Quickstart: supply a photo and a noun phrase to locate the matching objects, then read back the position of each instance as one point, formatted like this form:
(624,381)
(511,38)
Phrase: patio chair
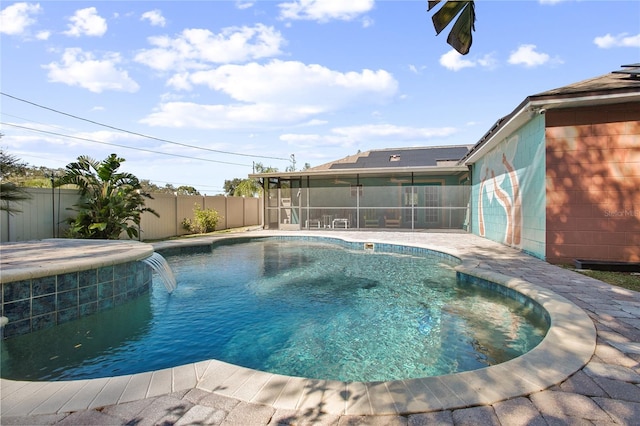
(371,219)
(392,222)
(313,223)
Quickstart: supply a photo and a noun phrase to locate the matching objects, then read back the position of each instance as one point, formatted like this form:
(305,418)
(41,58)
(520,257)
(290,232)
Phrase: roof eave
(533,105)
(363,172)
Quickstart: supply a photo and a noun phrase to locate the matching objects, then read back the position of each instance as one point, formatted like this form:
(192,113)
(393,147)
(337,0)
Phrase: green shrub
(204,220)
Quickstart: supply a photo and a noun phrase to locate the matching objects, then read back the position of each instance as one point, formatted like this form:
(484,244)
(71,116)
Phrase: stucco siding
(593,181)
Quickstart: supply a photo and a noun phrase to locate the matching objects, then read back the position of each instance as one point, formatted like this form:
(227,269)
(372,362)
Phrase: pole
(53,208)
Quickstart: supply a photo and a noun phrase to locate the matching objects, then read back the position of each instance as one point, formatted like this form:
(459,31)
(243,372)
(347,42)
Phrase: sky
(196,92)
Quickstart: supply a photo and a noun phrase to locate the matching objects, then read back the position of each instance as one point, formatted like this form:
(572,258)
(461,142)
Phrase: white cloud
(366,134)
(272,94)
(78,68)
(315,122)
(367,22)
(43,35)
(193,115)
(488,61)
(454,61)
(86,22)
(108,136)
(244,4)
(297,83)
(66,147)
(551,2)
(302,140)
(325,10)
(180,81)
(16,18)
(392,132)
(154,17)
(526,55)
(194,48)
(621,40)
(417,69)
(315,141)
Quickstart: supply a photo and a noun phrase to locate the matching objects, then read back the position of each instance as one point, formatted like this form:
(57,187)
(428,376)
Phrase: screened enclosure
(410,202)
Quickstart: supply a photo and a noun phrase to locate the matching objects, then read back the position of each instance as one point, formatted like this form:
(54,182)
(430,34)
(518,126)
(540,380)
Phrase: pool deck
(586,371)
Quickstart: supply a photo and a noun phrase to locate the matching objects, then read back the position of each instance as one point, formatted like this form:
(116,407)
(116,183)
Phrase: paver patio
(605,391)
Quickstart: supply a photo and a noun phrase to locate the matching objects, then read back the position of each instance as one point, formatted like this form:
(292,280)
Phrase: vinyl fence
(45,214)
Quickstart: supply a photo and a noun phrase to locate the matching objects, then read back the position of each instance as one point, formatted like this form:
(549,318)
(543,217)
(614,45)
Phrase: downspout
(308,198)
(53,207)
(413,208)
(264,192)
(357,200)
(469,206)
(175,210)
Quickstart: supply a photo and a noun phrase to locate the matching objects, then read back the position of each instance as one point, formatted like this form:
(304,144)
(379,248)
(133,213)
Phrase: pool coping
(56,256)
(567,347)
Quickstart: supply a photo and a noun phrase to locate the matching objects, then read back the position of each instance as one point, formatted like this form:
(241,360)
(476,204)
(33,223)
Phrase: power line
(151,180)
(184,183)
(122,146)
(140,134)
(62,128)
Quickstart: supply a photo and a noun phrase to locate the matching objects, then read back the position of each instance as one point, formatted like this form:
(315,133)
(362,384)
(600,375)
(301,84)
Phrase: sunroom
(407,188)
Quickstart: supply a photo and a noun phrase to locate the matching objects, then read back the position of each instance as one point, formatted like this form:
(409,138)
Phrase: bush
(204,220)
(111,203)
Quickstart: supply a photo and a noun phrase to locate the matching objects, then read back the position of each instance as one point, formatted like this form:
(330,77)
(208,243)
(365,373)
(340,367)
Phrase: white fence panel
(236,205)
(219,204)
(253,210)
(42,216)
(45,214)
(184,210)
(156,228)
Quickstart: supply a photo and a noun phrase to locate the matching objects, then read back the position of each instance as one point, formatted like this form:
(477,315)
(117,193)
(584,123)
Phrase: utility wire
(140,134)
(189,184)
(158,181)
(64,161)
(123,146)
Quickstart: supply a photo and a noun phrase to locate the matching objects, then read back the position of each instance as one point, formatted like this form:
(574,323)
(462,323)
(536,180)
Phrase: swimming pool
(568,345)
(351,314)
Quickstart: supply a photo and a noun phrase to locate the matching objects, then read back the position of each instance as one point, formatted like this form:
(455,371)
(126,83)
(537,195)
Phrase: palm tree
(110,202)
(10,193)
(248,187)
(461,35)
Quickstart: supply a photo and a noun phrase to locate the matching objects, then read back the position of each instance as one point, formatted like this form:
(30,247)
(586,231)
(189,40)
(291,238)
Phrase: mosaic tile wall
(377,247)
(40,303)
(505,291)
(508,193)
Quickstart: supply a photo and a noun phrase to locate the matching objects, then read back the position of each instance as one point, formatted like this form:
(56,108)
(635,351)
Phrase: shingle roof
(605,84)
(398,157)
(617,86)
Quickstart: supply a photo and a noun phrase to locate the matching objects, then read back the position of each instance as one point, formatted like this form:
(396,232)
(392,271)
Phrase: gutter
(531,106)
(362,172)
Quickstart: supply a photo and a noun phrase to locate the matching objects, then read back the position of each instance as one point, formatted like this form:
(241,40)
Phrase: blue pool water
(299,308)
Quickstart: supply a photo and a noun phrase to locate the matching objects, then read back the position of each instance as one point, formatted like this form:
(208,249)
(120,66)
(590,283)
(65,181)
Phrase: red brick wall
(593,183)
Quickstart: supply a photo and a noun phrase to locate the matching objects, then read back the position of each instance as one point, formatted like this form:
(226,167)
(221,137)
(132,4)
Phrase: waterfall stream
(159,264)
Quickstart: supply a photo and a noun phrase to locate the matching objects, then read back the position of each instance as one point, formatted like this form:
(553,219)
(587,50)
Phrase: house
(559,178)
(408,188)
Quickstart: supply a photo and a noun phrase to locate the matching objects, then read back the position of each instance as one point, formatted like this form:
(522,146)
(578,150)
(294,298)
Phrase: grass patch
(628,280)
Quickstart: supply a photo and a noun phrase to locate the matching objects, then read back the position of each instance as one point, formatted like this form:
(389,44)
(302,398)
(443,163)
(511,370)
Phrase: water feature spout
(159,264)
